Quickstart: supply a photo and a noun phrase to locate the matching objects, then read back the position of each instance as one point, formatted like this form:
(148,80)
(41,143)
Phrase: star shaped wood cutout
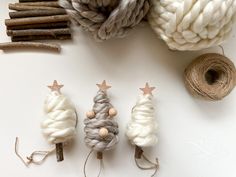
(55,87)
(103,86)
(147,89)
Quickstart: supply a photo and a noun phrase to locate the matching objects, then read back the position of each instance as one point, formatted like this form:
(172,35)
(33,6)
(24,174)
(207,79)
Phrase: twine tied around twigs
(210,76)
(32,158)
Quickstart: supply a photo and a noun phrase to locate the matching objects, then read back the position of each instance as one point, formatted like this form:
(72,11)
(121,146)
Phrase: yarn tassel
(100,157)
(139,156)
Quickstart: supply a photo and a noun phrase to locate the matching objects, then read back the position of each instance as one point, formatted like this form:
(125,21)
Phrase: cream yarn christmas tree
(60,124)
(142,128)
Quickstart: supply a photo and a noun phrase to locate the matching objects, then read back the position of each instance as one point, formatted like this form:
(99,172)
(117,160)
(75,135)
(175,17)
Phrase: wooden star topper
(103,86)
(147,90)
(55,86)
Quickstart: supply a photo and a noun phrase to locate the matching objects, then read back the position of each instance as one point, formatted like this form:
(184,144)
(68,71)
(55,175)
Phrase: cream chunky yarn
(59,126)
(192,24)
(106,18)
(142,129)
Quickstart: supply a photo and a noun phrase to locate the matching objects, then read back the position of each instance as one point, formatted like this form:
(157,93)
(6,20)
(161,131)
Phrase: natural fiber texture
(211,76)
(106,18)
(142,129)
(192,24)
(102,119)
(59,126)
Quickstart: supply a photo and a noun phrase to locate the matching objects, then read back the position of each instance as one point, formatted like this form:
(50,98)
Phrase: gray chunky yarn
(106,18)
(102,119)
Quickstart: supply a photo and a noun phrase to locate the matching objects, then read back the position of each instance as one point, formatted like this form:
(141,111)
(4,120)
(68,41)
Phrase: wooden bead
(112,112)
(103,132)
(90,114)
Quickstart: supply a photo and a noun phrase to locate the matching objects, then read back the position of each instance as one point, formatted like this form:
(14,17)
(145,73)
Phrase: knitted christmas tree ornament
(61,119)
(142,128)
(101,129)
(59,126)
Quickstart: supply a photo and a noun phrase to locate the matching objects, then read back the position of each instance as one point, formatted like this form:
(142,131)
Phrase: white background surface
(196,138)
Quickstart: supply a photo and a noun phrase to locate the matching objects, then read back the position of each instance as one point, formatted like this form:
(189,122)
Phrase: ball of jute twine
(211,77)
(106,19)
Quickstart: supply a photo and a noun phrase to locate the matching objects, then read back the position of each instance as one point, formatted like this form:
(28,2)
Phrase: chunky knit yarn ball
(106,18)
(192,24)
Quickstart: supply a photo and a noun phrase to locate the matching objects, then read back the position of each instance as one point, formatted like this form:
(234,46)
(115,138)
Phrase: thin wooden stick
(59,152)
(40,26)
(99,155)
(36,20)
(47,4)
(36,13)
(25,7)
(138,152)
(36,32)
(42,37)
(34,45)
(35,0)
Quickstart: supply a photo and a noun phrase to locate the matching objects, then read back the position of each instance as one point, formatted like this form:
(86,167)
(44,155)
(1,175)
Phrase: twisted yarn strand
(192,24)
(106,19)
(142,129)
(59,125)
(102,120)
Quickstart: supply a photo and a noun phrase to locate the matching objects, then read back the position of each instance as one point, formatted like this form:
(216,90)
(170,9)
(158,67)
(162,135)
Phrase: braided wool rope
(211,76)
(106,18)
(59,126)
(101,120)
(192,24)
(142,129)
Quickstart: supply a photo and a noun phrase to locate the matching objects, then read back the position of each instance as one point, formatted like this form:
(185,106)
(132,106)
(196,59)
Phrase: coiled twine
(211,76)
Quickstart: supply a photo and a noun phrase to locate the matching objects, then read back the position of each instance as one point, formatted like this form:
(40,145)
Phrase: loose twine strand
(223,50)
(210,76)
(31,159)
(153,166)
(86,161)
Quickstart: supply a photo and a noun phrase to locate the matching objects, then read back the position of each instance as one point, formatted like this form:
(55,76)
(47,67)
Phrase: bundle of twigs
(32,20)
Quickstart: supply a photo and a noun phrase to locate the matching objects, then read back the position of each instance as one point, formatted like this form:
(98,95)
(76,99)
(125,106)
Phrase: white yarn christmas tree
(142,129)
(60,124)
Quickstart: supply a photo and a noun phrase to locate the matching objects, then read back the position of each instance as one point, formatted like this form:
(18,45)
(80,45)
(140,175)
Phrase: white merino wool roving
(142,129)
(192,24)
(60,123)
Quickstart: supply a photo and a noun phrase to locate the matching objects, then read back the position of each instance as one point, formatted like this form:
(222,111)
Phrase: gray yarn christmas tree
(100,127)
